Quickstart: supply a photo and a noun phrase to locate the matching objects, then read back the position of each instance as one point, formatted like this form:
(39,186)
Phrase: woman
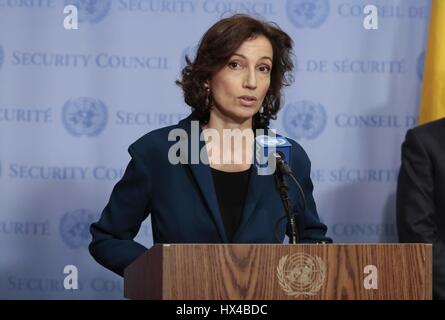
(234,84)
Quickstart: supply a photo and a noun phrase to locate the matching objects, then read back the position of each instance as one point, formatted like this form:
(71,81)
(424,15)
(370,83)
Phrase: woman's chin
(243,115)
(239,114)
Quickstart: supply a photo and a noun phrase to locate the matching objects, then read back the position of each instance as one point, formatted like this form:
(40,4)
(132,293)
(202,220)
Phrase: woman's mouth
(247,100)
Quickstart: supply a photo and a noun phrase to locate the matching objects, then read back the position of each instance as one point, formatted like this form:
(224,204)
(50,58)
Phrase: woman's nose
(250,80)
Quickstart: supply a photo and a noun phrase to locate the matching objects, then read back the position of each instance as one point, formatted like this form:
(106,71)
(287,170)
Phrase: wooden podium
(282,272)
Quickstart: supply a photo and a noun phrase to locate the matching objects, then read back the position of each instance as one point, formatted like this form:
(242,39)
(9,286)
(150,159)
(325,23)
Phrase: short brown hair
(216,47)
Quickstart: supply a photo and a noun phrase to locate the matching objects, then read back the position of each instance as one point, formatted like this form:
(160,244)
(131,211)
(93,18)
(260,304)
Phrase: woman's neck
(232,148)
(220,122)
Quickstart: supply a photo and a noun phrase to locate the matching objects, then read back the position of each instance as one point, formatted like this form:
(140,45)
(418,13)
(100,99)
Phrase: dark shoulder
(434,130)
(426,139)
(153,141)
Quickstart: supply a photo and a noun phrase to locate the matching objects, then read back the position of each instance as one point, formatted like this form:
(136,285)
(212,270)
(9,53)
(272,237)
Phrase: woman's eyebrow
(244,57)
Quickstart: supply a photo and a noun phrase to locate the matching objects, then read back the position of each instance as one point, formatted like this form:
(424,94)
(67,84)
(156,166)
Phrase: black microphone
(280,160)
(282,170)
(265,147)
(286,170)
(272,155)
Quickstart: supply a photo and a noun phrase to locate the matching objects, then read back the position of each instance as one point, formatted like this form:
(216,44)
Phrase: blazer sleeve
(312,230)
(416,206)
(129,205)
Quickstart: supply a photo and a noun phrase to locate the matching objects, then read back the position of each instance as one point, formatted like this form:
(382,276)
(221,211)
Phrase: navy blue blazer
(183,205)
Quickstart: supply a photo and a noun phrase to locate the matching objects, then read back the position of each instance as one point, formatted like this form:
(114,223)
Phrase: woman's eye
(234,65)
(237,65)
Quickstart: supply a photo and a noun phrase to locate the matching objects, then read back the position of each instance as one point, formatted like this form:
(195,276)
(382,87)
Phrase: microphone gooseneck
(271,153)
(282,170)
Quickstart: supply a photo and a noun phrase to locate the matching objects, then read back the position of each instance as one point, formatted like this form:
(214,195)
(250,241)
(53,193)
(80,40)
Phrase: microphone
(283,190)
(266,150)
(273,156)
(280,160)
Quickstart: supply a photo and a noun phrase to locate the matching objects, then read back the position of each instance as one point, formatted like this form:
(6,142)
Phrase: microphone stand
(283,169)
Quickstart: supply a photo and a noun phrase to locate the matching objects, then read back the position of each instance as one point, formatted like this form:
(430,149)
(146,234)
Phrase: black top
(231,190)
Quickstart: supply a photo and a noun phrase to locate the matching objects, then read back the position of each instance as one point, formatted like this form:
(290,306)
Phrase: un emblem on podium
(301,274)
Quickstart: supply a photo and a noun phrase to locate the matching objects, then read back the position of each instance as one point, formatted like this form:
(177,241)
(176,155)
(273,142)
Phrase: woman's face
(239,88)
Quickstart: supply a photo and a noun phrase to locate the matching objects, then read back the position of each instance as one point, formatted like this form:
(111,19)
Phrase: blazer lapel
(257,188)
(203,177)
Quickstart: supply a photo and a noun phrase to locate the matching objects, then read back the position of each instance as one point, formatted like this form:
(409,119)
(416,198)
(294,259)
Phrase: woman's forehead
(259,48)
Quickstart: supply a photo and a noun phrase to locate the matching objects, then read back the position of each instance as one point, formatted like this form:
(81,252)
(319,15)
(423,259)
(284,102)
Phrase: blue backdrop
(71,102)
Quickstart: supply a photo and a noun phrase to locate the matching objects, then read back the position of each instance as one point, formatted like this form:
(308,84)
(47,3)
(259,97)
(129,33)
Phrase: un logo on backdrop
(75,228)
(421,65)
(84,116)
(307,13)
(91,10)
(304,119)
(2,54)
